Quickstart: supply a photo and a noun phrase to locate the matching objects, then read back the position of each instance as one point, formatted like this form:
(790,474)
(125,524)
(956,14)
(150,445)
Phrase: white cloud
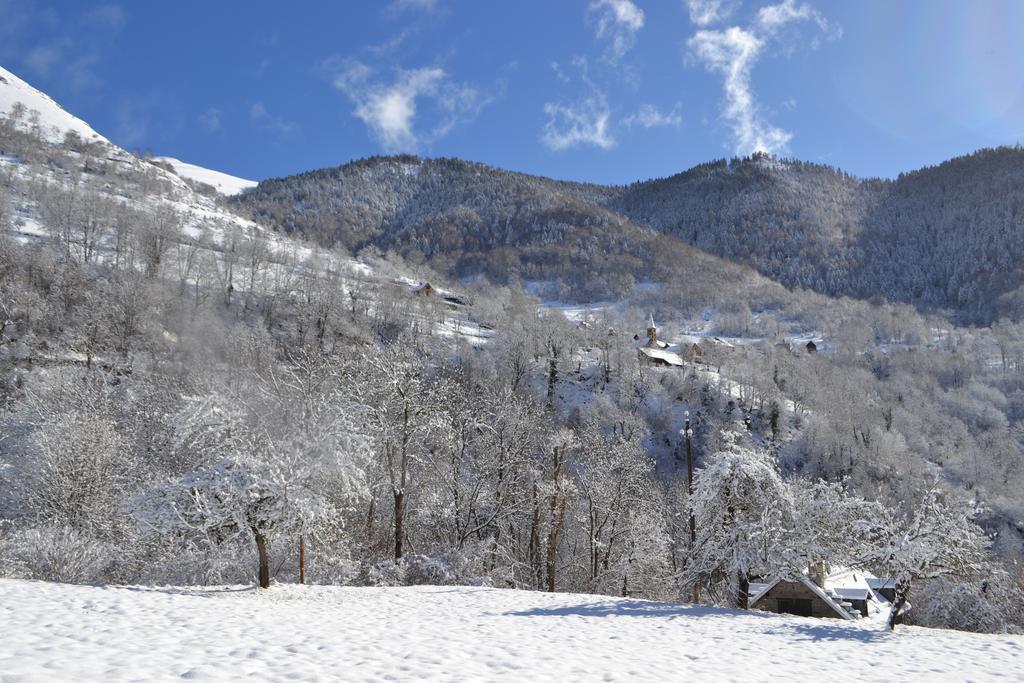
(42,58)
(108,17)
(391,45)
(260,117)
(211,120)
(134,116)
(397,7)
(733,52)
(773,17)
(584,123)
(80,71)
(707,12)
(390,109)
(618,21)
(648,116)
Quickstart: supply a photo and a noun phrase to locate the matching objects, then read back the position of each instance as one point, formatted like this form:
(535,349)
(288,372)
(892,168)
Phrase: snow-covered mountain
(54,120)
(111,176)
(224,183)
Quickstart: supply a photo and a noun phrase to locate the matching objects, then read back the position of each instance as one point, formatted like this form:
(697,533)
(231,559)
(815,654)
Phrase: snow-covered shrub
(410,570)
(55,554)
(991,605)
(200,565)
(77,473)
(417,570)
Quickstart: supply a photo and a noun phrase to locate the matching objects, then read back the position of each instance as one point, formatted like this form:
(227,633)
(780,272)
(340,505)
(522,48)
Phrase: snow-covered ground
(222,182)
(61,632)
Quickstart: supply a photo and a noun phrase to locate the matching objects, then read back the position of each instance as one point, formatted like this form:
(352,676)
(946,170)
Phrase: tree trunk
(302,559)
(557,519)
(552,378)
(399,522)
(261,548)
(743,596)
(534,548)
(902,589)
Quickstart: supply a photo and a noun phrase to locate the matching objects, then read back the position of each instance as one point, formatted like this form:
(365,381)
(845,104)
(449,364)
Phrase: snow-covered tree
(616,505)
(935,538)
(219,502)
(742,509)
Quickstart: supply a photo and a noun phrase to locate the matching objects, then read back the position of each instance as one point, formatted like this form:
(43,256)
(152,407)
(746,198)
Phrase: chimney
(652,332)
(818,572)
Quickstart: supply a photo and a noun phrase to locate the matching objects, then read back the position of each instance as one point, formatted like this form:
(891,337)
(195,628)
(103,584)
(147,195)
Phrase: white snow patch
(222,182)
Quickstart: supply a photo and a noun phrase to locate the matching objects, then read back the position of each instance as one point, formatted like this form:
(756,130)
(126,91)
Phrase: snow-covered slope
(224,183)
(62,632)
(55,121)
(204,221)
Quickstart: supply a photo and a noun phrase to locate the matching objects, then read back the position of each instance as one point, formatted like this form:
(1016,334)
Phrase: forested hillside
(467,219)
(942,238)
(192,396)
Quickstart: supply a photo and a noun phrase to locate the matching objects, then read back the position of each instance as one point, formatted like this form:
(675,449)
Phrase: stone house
(826,594)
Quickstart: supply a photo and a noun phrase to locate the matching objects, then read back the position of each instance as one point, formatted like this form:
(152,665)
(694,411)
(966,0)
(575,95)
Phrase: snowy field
(61,632)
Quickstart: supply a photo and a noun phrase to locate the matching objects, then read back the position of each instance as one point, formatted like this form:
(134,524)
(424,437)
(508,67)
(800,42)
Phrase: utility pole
(688,434)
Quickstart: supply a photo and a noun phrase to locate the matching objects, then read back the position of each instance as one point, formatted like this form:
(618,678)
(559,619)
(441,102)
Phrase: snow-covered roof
(845,580)
(661,354)
(755,589)
(853,593)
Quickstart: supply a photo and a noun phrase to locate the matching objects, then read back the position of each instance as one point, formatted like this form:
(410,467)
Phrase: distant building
(652,336)
(656,352)
(424,290)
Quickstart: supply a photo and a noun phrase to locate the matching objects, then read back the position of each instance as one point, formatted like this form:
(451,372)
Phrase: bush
(55,554)
(411,570)
(416,570)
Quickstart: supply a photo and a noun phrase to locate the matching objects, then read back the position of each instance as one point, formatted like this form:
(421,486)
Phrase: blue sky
(593,90)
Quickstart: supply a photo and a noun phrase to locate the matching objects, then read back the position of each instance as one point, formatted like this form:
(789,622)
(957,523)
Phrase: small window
(801,607)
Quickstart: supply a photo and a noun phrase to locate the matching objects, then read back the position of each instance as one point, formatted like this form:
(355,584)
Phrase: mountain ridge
(802,224)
